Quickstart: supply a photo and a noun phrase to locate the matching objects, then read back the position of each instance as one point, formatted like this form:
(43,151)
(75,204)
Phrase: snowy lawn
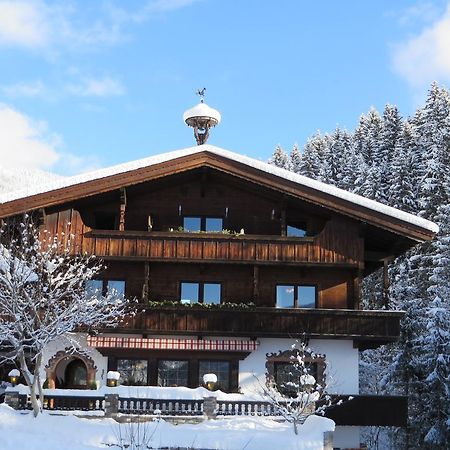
(54,432)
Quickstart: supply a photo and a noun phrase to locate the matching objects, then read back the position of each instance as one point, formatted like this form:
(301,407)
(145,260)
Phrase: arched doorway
(75,375)
(70,370)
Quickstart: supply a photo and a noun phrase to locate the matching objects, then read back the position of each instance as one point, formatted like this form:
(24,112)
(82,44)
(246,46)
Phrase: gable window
(192,292)
(105,287)
(296,296)
(296,230)
(195,224)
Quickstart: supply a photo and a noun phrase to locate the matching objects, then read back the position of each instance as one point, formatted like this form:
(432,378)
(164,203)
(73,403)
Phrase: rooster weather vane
(201,94)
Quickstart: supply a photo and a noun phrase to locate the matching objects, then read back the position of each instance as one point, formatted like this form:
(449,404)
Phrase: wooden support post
(283,217)
(256,284)
(386,282)
(146,284)
(357,289)
(123,207)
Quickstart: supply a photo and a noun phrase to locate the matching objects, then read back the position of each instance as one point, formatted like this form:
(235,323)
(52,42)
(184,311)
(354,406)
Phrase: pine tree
(313,155)
(433,129)
(403,192)
(280,158)
(436,341)
(296,158)
(367,135)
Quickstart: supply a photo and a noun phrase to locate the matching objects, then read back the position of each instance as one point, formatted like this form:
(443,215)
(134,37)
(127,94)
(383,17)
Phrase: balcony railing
(369,328)
(355,410)
(218,247)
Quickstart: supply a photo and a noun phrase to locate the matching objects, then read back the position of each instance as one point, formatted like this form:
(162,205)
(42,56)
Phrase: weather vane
(201,93)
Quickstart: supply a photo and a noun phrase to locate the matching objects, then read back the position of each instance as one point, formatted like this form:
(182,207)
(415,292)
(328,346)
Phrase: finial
(201,118)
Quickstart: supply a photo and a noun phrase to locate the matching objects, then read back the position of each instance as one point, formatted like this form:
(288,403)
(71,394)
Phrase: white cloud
(422,11)
(23,23)
(96,87)
(24,142)
(29,144)
(81,87)
(426,57)
(40,24)
(31,89)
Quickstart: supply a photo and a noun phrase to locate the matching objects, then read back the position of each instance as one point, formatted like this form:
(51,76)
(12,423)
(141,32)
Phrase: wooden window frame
(296,286)
(193,358)
(220,361)
(105,284)
(203,222)
(189,368)
(201,289)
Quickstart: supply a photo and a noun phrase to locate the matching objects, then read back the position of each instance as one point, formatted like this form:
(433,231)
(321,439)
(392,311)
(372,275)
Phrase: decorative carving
(66,355)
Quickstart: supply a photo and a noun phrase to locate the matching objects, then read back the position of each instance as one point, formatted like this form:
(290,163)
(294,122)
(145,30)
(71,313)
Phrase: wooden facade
(138,230)
(273,232)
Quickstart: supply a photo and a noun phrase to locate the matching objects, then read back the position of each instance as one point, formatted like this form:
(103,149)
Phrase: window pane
(116,287)
(189,293)
(285,296)
(211,293)
(306,296)
(214,224)
(295,231)
(172,373)
(133,372)
(220,368)
(192,224)
(287,377)
(94,288)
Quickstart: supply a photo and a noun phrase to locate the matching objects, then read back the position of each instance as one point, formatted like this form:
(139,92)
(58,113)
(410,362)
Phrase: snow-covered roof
(251,162)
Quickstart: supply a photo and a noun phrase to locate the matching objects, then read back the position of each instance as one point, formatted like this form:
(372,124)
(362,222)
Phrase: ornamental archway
(71,370)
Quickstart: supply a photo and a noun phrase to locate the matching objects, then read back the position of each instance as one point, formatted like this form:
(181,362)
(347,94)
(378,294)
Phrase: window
(296,231)
(287,376)
(208,224)
(172,373)
(133,372)
(209,293)
(296,296)
(105,287)
(220,368)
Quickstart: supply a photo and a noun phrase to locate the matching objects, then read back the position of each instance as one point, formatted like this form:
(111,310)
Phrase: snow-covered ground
(54,432)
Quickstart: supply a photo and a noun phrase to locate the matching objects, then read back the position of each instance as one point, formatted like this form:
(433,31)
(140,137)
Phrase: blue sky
(86,84)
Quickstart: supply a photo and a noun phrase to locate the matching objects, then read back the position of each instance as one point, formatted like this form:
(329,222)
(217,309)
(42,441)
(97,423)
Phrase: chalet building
(231,259)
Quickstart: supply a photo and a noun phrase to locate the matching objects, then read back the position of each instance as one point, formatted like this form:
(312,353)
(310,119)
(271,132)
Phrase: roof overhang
(286,182)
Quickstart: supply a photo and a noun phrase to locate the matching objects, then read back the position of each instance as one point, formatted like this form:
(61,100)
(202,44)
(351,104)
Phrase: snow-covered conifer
(280,158)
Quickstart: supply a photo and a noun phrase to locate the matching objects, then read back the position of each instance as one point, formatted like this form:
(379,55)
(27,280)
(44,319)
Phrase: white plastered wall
(341,374)
(340,357)
(100,361)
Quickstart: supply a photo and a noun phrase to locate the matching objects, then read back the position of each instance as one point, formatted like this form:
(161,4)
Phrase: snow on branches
(43,296)
(296,394)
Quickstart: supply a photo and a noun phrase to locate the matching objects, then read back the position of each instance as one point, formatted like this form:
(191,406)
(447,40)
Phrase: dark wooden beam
(123,207)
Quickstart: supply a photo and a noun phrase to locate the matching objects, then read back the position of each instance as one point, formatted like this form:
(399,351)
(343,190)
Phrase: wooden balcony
(366,328)
(218,248)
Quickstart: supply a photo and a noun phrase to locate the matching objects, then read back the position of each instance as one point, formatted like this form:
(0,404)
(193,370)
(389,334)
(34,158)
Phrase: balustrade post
(328,440)
(209,407)
(111,405)
(12,399)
